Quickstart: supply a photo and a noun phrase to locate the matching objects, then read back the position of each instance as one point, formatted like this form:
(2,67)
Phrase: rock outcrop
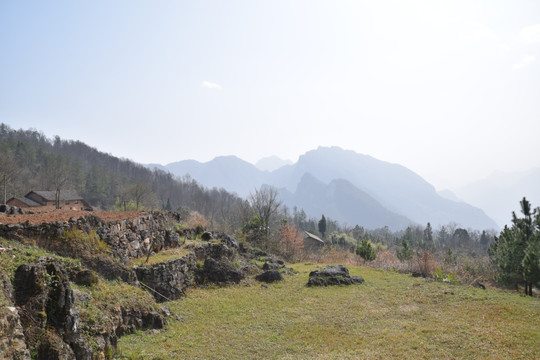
(221,264)
(167,281)
(127,239)
(51,321)
(12,342)
(333,275)
(11,210)
(44,295)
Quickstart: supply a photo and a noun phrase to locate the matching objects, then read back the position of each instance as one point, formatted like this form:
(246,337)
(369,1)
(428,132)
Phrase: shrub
(450,258)
(405,253)
(366,251)
(424,262)
(197,222)
(291,243)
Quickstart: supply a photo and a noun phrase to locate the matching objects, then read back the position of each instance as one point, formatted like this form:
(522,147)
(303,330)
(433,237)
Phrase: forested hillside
(31,161)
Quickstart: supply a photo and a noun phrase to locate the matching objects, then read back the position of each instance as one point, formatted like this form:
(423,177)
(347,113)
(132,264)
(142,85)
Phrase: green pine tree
(405,253)
(428,237)
(515,252)
(366,251)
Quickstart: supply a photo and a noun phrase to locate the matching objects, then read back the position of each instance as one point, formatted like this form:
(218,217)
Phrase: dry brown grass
(196,221)
(65,215)
(466,270)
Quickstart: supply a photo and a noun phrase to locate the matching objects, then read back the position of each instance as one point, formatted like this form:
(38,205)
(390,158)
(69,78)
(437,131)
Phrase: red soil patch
(65,215)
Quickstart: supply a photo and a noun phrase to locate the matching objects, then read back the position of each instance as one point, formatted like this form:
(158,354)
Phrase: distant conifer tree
(322,226)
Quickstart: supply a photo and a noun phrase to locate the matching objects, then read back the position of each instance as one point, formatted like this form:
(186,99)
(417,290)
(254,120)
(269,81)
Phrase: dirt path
(65,215)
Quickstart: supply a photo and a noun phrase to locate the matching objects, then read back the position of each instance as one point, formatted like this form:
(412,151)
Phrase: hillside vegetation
(391,316)
(31,161)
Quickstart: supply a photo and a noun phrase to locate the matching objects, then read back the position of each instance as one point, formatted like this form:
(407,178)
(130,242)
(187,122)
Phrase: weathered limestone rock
(207,236)
(221,271)
(230,241)
(168,280)
(109,269)
(5,287)
(84,277)
(129,238)
(44,294)
(272,266)
(51,323)
(333,275)
(12,341)
(11,210)
(269,276)
(52,347)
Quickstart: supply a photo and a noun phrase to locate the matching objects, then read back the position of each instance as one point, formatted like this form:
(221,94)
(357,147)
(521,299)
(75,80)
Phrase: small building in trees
(50,200)
(312,242)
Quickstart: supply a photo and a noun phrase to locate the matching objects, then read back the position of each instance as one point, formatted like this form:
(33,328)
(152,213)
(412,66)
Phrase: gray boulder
(333,275)
(230,241)
(221,271)
(207,236)
(269,276)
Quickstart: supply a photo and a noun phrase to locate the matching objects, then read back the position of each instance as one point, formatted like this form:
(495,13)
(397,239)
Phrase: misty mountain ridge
(271,163)
(499,193)
(378,192)
(450,195)
(341,200)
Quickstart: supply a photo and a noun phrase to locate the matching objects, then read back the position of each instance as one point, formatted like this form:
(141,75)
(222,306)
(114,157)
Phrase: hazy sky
(450,89)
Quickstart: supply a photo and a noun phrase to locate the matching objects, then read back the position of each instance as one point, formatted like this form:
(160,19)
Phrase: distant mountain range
(346,186)
(271,163)
(500,193)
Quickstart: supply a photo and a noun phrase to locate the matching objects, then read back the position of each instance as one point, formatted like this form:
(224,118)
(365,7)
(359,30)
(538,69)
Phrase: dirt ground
(65,215)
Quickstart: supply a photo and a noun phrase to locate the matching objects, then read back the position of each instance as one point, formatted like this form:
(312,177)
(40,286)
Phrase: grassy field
(392,316)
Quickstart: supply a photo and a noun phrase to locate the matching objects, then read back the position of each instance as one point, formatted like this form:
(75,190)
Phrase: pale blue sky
(449,89)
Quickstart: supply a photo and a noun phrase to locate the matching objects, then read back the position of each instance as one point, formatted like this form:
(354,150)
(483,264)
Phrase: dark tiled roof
(314,237)
(27,201)
(65,195)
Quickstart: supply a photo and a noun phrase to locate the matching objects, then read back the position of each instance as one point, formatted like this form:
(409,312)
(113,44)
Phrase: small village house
(312,242)
(37,200)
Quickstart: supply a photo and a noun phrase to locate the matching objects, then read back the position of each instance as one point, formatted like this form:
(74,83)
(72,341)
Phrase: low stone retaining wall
(129,238)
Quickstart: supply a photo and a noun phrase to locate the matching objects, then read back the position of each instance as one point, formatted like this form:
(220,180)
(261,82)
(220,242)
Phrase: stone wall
(129,238)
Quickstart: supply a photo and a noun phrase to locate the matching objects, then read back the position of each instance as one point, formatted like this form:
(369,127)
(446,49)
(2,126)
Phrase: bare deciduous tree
(139,192)
(57,175)
(8,171)
(265,204)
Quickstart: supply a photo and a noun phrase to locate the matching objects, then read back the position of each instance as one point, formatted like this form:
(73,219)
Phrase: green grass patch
(106,298)
(17,254)
(162,256)
(84,242)
(392,316)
